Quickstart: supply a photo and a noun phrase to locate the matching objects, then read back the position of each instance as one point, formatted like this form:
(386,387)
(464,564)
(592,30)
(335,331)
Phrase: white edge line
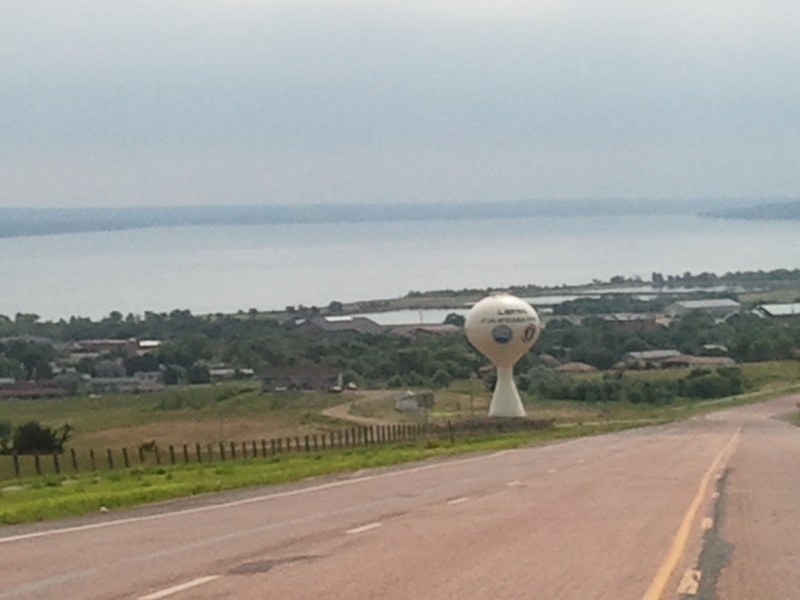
(364,528)
(202,509)
(458,500)
(179,588)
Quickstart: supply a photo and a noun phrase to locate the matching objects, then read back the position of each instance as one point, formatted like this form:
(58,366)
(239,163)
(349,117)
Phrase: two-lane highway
(685,510)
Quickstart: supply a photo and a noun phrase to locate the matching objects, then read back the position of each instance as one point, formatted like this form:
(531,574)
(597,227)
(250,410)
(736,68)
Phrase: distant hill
(778,211)
(46,221)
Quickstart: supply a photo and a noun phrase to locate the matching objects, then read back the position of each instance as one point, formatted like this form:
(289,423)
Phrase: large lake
(226,268)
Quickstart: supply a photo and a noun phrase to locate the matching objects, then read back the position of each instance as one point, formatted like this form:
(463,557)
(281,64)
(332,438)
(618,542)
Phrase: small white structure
(503,328)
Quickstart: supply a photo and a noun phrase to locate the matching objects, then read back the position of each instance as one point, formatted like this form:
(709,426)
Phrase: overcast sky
(185,102)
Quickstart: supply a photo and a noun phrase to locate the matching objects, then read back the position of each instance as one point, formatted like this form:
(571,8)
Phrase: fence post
(264,448)
(308,445)
(450,430)
(198,453)
(210,450)
(222,451)
(92,459)
(38,465)
(255,450)
(141,455)
(74,459)
(56,464)
(172,454)
(110,458)
(185,454)
(315,443)
(233,451)
(297,443)
(125,458)
(15,460)
(157,451)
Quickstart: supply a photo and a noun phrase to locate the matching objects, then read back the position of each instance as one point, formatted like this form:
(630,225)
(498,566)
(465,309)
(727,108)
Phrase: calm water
(227,268)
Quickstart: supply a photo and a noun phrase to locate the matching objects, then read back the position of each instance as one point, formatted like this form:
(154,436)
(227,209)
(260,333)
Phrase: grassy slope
(50,497)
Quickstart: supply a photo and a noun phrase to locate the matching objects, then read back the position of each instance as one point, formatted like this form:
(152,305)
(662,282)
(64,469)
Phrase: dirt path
(342,411)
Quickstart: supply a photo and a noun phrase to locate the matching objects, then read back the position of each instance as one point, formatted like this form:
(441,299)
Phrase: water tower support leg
(505,400)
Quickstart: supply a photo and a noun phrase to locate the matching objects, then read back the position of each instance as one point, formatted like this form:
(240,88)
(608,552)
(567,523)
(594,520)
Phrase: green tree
(33,438)
(6,431)
(455,319)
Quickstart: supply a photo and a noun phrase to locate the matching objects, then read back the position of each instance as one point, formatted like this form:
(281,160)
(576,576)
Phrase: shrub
(34,438)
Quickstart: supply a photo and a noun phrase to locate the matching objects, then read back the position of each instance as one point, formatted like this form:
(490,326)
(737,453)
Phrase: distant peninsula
(774,211)
(15,222)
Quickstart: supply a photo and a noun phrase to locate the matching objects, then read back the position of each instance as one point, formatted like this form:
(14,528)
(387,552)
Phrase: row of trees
(191,343)
(616,387)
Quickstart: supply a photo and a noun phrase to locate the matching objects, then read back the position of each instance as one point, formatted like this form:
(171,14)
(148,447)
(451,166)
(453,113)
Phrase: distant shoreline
(24,222)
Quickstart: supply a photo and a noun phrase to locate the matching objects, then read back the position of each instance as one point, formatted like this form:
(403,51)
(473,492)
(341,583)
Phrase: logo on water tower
(502,334)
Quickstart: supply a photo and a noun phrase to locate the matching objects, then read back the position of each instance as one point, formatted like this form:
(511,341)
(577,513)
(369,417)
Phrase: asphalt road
(709,508)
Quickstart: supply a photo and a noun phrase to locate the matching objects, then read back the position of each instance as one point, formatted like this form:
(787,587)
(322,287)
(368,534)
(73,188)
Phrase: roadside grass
(53,496)
(230,410)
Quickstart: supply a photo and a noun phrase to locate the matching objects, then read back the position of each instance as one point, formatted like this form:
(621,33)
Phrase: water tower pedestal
(505,399)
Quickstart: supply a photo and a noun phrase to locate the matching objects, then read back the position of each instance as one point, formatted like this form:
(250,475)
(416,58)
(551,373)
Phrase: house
(783,312)
(139,382)
(322,379)
(576,367)
(687,360)
(106,346)
(31,390)
(632,321)
(409,401)
(719,308)
(219,373)
(339,325)
(649,359)
(422,330)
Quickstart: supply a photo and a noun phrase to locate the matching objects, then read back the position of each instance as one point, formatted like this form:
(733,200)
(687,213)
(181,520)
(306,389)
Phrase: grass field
(240,411)
(183,414)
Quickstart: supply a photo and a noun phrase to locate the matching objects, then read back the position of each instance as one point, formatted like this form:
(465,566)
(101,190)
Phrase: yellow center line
(667,567)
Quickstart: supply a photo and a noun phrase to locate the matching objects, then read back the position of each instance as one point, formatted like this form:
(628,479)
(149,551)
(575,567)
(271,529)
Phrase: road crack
(717,551)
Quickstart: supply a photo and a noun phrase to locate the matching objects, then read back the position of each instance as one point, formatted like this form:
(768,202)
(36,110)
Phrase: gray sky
(245,101)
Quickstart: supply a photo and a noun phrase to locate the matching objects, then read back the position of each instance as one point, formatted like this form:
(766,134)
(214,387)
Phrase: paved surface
(707,509)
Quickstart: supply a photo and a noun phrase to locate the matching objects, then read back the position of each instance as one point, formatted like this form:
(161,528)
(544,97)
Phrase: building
(687,360)
(339,325)
(783,312)
(632,321)
(323,379)
(138,383)
(649,359)
(217,373)
(576,367)
(423,330)
(719,308)
(31,390)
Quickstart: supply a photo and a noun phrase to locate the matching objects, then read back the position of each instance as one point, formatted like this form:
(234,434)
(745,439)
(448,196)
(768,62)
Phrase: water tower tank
(503,328)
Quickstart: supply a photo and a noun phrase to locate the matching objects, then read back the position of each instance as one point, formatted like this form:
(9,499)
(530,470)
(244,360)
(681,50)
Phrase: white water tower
(503,328)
